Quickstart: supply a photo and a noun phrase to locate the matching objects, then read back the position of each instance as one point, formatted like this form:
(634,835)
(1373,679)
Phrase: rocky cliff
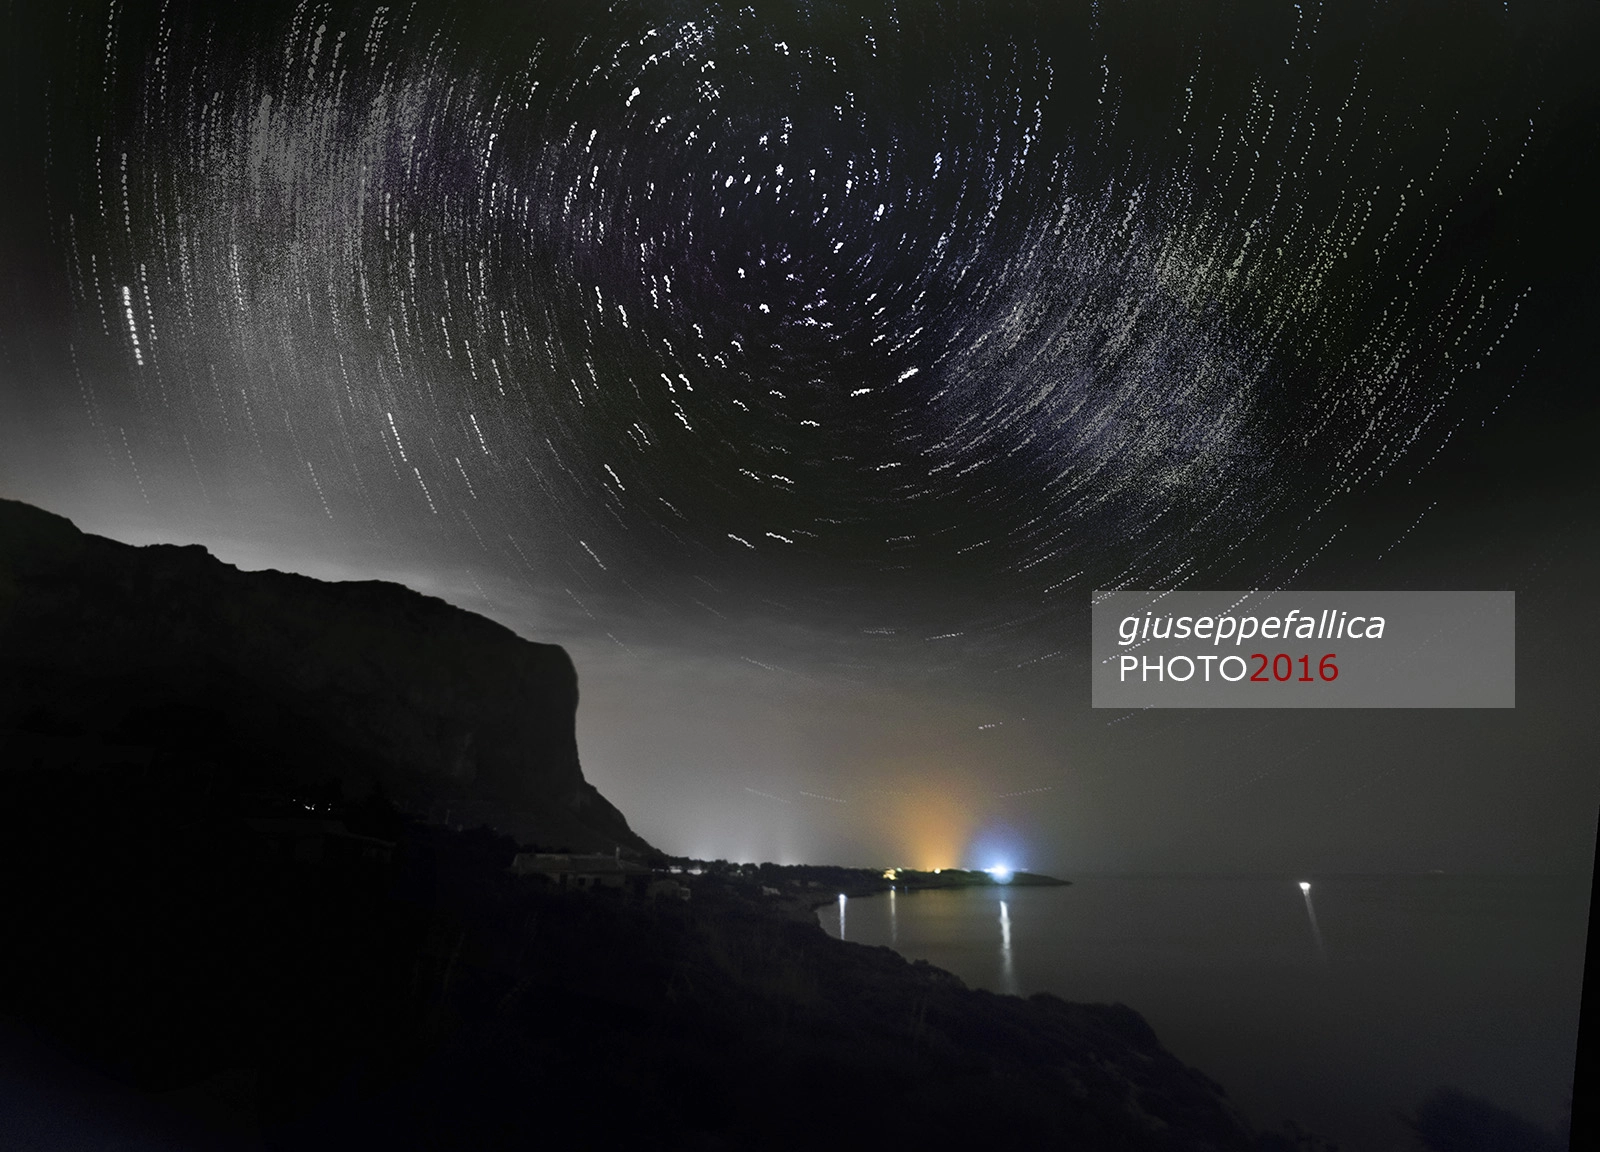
(117,657)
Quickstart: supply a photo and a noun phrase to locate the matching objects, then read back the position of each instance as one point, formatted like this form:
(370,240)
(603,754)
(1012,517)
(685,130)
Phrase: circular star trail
(815,303)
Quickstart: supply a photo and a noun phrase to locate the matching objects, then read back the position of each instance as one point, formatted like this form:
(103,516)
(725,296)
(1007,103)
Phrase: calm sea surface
(1417,982)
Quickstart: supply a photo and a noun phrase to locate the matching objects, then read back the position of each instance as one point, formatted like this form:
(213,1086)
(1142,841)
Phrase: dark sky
(803,369)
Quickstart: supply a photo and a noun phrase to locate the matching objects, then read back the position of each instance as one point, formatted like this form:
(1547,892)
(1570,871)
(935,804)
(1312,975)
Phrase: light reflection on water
(1008,972)
(1404,984)
(1311,914)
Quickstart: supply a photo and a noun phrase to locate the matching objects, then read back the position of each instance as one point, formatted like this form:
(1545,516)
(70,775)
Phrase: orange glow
(935,826)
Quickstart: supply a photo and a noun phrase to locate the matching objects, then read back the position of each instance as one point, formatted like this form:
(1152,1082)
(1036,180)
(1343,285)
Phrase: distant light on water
(841,915)
(1001,873)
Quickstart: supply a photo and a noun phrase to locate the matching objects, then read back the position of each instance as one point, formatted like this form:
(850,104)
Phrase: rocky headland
(228,887)
(164,657)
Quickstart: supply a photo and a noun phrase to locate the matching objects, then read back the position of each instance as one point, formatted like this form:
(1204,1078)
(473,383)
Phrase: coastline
(798,890)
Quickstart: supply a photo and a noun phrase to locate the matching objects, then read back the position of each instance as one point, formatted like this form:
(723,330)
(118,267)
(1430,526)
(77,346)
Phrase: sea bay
(1416,983)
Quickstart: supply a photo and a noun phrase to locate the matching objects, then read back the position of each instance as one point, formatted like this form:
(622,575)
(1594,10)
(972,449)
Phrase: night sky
(804,368)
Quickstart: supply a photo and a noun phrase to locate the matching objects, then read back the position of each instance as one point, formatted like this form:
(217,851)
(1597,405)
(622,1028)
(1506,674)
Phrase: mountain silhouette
(165,657)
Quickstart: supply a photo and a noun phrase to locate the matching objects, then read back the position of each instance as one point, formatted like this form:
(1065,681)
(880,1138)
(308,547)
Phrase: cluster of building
(574,872)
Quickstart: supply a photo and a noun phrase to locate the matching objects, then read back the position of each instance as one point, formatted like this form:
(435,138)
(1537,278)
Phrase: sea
(1340,1007)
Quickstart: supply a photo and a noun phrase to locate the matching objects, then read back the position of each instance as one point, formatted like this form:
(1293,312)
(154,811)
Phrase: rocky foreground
(397,986)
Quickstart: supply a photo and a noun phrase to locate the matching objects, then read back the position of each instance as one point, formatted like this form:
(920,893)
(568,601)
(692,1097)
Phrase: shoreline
(798,890)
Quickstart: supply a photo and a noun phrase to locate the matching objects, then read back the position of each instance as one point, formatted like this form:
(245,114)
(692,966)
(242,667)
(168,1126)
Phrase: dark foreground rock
(400,988)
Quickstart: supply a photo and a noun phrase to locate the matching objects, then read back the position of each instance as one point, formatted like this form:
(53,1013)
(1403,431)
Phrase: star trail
(853,292)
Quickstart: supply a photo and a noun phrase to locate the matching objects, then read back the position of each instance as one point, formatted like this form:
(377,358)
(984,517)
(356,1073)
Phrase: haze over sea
(1422,982)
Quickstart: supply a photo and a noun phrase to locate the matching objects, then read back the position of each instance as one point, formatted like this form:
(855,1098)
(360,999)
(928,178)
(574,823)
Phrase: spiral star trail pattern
(861,293)
(904,326)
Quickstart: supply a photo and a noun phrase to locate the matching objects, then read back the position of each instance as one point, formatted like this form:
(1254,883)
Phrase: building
(570,871)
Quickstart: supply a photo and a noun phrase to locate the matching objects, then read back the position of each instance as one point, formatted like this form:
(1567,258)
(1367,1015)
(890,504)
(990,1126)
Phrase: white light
(1000,872)
(1305,885)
